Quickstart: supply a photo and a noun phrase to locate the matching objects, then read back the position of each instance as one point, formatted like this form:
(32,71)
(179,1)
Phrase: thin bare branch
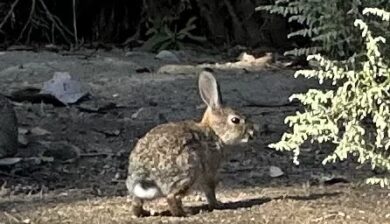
(55,24)
(75,23)
(9,13)
(29,20)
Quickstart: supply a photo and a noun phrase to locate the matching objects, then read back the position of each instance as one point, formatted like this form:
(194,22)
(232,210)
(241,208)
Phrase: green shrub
(164,34)
(328,24)
(355,116)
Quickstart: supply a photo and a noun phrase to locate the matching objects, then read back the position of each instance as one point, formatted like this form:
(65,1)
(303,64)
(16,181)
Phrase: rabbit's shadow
(194,210)
(230,205)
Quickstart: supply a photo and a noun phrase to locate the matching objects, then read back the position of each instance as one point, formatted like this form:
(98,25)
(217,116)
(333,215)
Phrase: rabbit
(173,158)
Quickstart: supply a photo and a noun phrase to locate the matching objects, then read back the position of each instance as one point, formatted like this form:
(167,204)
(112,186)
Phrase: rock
(22,140)
(8,128)
(64,88)
(168,56)
(179,69)
(61,151)
(328,179)
(275,171)
(23,131)
(246,57)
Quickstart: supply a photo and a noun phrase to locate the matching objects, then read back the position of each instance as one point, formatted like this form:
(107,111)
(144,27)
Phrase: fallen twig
(11,217)
(11,175)
(84,55)
(95,154)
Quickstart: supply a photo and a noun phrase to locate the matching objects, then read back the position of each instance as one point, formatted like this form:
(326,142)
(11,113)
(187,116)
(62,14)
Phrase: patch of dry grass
(334,204)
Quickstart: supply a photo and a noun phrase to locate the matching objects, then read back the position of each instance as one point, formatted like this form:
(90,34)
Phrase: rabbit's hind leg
(175,205)
(137,207)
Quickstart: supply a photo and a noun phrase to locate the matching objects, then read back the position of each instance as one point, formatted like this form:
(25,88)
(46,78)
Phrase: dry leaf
(10,161)
(39,131)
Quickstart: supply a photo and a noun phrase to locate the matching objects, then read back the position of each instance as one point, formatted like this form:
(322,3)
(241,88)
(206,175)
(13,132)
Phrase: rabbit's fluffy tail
(145,189)
(146,193)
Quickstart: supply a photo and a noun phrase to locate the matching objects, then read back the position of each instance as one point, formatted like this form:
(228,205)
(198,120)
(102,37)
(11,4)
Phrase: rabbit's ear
(209,90)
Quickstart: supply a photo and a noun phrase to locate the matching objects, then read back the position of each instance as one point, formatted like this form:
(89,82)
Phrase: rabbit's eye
(235,120)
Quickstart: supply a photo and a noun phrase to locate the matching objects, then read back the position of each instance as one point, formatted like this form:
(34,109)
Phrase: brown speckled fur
(176,157)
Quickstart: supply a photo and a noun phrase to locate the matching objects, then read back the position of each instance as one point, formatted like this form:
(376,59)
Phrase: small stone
(275,171)
(22,140)
(23,131)
(165,55)
(179,69)
(246,57)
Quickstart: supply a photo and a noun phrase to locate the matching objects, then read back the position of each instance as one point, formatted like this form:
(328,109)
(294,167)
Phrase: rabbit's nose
(251,135)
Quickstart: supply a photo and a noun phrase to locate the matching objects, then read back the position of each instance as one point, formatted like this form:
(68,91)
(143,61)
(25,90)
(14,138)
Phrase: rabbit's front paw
(215,205)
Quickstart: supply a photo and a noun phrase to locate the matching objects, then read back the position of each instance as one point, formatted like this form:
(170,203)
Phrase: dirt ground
(75,157)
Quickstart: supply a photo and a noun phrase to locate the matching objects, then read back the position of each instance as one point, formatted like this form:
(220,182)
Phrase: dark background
(125,23)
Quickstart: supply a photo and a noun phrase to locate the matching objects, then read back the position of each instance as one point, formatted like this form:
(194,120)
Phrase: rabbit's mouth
(236,141)
(245,137)
(250,134)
